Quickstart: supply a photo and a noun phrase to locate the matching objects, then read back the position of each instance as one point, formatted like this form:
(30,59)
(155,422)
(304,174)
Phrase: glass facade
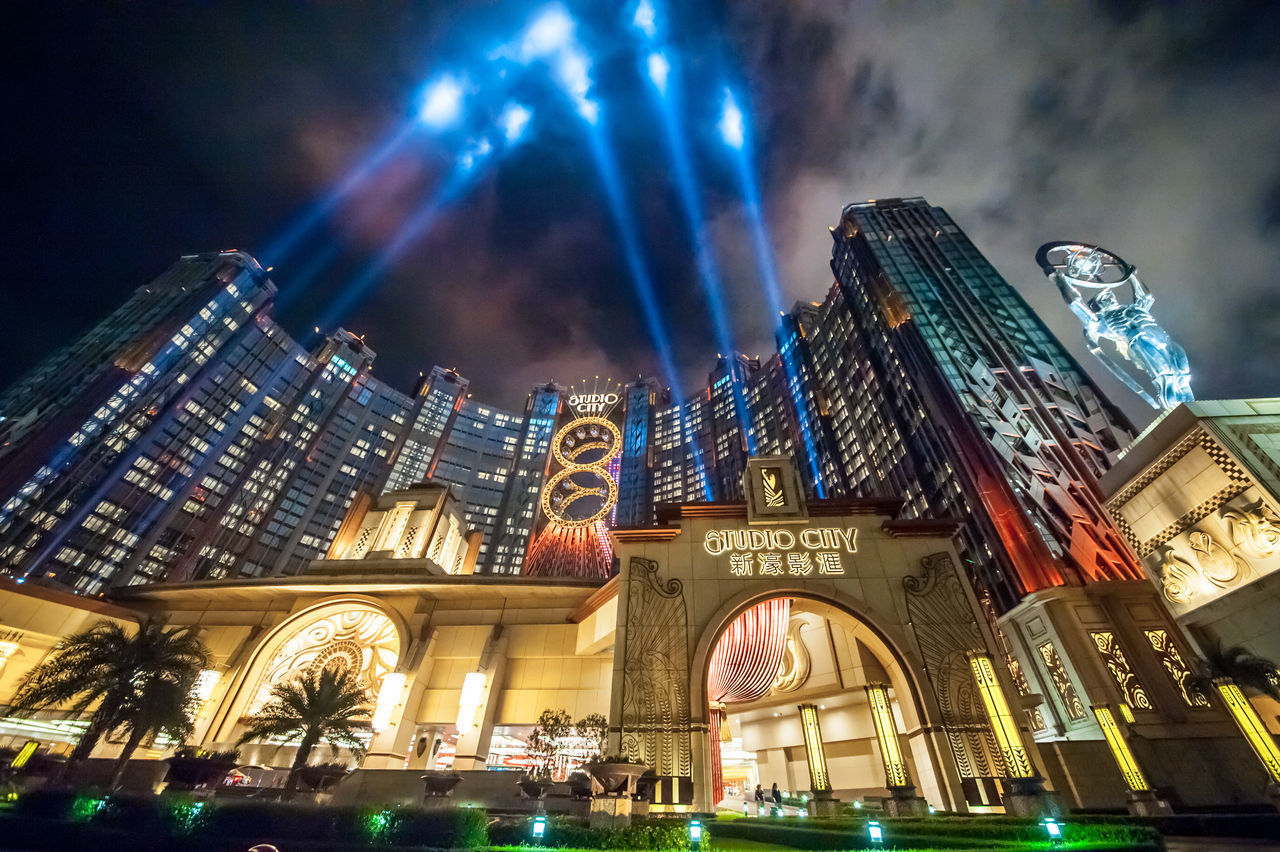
(943,386)
(188,437)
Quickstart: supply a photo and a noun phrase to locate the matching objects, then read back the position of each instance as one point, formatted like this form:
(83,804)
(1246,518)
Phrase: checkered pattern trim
(1221,457)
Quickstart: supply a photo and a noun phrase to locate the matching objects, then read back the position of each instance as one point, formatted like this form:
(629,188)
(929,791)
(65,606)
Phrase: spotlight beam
(551,38)
(279,248)
(659,71)
(300,283)
(732,128)
(606,164)
(464,175)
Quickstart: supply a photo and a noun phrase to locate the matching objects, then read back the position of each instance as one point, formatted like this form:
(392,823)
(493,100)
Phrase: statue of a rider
(1136,336)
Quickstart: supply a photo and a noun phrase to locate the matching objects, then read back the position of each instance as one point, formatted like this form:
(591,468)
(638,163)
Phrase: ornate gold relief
(360,639)
(1217,563)
(794,670)
(1179,673)
(1177,575)
(1253,526)
(1062,682)
(1118,665)
(771,479)
(947,631)
(655,724)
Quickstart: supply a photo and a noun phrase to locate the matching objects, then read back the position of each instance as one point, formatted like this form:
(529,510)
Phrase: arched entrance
(355,633)
(798,659)
(891,586)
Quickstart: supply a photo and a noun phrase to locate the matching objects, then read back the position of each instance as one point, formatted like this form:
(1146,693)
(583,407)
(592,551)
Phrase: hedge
(188,821)
(574,833)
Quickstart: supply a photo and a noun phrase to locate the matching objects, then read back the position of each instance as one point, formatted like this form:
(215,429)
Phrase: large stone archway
(890,652)
(682,584)
(353,631)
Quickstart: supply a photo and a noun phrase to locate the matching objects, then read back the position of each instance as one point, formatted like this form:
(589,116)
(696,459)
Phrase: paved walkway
(1219,844)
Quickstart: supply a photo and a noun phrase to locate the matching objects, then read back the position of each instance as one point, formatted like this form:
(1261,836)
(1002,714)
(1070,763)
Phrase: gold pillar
(1251,726)
(818,777)
(1129,768)
(895,769)
(1016,760)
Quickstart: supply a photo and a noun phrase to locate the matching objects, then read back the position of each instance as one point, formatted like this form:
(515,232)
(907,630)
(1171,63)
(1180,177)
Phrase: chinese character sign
(782,552)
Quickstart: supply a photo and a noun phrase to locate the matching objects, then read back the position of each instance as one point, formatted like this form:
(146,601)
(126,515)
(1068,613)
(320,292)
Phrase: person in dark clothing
(759,794)
(777,794)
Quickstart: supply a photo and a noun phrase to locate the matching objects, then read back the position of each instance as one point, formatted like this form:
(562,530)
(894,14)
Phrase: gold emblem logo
(771,479)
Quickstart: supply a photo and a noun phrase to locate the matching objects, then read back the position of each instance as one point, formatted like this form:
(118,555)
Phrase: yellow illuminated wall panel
(895,770)
(1120,749)
(1251,726)
(1003,725)
(818,776)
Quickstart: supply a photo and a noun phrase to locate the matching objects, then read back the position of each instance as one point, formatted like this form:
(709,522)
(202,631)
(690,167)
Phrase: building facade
(191,437)
(188,458)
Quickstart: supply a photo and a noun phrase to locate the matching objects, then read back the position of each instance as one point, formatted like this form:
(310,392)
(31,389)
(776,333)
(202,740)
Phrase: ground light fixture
(1053,828)
(695,834)
(539,828)
(21,758)
(745,809)
(875,833)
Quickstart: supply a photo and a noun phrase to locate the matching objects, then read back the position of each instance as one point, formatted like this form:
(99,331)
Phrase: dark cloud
(149,132)
(1150,129)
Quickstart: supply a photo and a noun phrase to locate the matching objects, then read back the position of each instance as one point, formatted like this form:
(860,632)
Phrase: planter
(580,785)
(440,782)
(615,779)
(532,788)
(320,778)
(192,773)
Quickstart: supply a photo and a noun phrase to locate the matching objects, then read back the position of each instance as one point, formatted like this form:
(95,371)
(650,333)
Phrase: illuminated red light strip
(746,659)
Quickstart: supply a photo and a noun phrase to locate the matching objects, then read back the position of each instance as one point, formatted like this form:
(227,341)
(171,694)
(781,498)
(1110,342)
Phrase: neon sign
(593,403)
(777,552)
(594,399)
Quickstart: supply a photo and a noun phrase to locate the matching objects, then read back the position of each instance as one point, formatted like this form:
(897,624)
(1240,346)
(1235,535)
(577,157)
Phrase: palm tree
(323,705)
(1236,662)
(141,683)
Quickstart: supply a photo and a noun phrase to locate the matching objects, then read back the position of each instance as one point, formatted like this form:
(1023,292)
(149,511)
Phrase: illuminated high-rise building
(437,400)
(641,400)
(940,384)
(513,525)
(187,436)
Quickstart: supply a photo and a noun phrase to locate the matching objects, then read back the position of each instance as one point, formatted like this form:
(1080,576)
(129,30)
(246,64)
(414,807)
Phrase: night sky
(140,132)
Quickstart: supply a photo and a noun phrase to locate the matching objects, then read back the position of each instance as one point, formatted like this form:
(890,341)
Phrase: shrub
(574,833)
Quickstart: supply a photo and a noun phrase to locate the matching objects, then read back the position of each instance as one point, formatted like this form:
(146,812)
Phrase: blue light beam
(645,19)
(514,121)
(733,130)
(606,164)
(731,126)
(279,248)
(659,71)
(464,175)
(440,105)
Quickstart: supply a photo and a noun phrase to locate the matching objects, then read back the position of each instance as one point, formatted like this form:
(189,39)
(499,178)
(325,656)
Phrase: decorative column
(717,728)
(1026,795)
(390,735)
(479,700)
(1260,739)
(8,646)
(902,800)
(1142,799)
(819,781)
